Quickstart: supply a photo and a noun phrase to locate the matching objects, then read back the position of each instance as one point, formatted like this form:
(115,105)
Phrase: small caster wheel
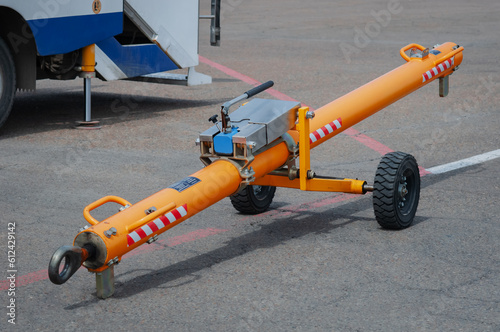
(253,199)
(396,190)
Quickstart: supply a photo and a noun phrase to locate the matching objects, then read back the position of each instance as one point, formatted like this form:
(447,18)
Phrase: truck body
(44,39)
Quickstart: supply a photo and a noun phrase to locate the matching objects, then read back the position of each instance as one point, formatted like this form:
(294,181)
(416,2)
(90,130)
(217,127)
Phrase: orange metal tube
(381,92)
(222,178)
(216,181)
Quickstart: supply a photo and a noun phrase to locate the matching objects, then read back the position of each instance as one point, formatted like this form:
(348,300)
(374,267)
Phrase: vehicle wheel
(7,81)
(253,199)
(396,190)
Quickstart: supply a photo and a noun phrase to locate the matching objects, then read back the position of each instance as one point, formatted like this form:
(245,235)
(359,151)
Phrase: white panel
(176,24)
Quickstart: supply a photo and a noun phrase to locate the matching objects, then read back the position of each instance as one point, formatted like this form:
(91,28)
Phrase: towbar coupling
(67,260)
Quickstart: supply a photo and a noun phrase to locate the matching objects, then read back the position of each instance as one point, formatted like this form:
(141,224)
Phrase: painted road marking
(465,162)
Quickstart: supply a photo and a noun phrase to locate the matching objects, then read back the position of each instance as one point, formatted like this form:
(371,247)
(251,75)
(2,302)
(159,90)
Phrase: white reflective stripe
(313,138)
(182,211)
(170,217)
(429,75)
(435,71)
(441,67)
(135,236)
(159,223)
(337,124)
(147,230)
(329,128)
(423,78)
(321,133)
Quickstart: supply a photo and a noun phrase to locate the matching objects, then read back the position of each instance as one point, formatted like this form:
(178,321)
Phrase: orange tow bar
(255,150)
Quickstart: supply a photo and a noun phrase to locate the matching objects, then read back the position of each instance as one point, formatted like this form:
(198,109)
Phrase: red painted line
(423,171)
(189,237)
(368,141)
(244,78)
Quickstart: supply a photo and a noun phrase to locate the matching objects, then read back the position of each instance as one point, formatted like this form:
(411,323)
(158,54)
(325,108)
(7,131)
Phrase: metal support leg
(87,123)
(105,283)
(88,73)
(87,90)
(444,86)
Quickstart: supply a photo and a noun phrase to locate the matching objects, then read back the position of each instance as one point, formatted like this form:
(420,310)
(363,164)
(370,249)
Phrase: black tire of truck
(7,81)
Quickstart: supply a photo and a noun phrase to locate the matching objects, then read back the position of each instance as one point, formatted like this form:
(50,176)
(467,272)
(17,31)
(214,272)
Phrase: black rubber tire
(396,190)
(253,199)
(7,81)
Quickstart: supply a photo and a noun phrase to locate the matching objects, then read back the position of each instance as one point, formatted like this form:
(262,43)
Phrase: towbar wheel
(396,190)
(253,199)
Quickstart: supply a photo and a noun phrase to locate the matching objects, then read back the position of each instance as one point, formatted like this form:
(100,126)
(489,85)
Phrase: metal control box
(258,122)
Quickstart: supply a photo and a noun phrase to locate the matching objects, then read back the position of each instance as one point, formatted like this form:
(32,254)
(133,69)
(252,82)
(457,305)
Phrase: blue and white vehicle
(134,39)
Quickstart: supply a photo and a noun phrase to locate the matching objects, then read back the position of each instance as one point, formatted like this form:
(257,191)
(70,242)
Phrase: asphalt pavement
(315,261)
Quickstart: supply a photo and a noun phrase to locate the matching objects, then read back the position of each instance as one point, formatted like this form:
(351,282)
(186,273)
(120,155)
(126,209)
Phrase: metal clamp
(113,261)
(110,232)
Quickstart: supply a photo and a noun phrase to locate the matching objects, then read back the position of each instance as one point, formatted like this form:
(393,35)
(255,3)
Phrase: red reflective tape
(165,220)
(176,214)
(153,226)
(325,131)
(141,233)
(317,135)
(130,241)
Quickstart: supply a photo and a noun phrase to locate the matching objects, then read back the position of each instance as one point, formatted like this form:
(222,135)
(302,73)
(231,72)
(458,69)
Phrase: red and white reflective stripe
(438,69)
(323,131)
(156,225)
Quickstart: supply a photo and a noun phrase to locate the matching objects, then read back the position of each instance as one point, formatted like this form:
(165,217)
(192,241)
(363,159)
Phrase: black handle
(259,89)
(213,118)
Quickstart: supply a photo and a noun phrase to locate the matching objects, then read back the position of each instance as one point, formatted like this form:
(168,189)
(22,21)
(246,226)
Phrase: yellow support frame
(304,181)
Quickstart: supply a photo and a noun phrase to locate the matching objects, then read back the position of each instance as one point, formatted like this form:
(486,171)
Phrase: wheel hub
(403,191)
(257,190)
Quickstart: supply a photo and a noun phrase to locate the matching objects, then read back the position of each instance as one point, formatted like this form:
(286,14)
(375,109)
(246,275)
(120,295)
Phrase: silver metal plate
(260,121)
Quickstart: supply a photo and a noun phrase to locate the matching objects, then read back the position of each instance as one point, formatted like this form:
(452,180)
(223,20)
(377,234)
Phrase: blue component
(223,143)
(137,60)
(65,34)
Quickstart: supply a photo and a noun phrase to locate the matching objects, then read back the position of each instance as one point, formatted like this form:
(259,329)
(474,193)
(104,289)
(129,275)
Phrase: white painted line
(465,162)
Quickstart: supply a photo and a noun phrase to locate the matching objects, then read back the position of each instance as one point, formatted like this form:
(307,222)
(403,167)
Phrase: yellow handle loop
(108,199)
